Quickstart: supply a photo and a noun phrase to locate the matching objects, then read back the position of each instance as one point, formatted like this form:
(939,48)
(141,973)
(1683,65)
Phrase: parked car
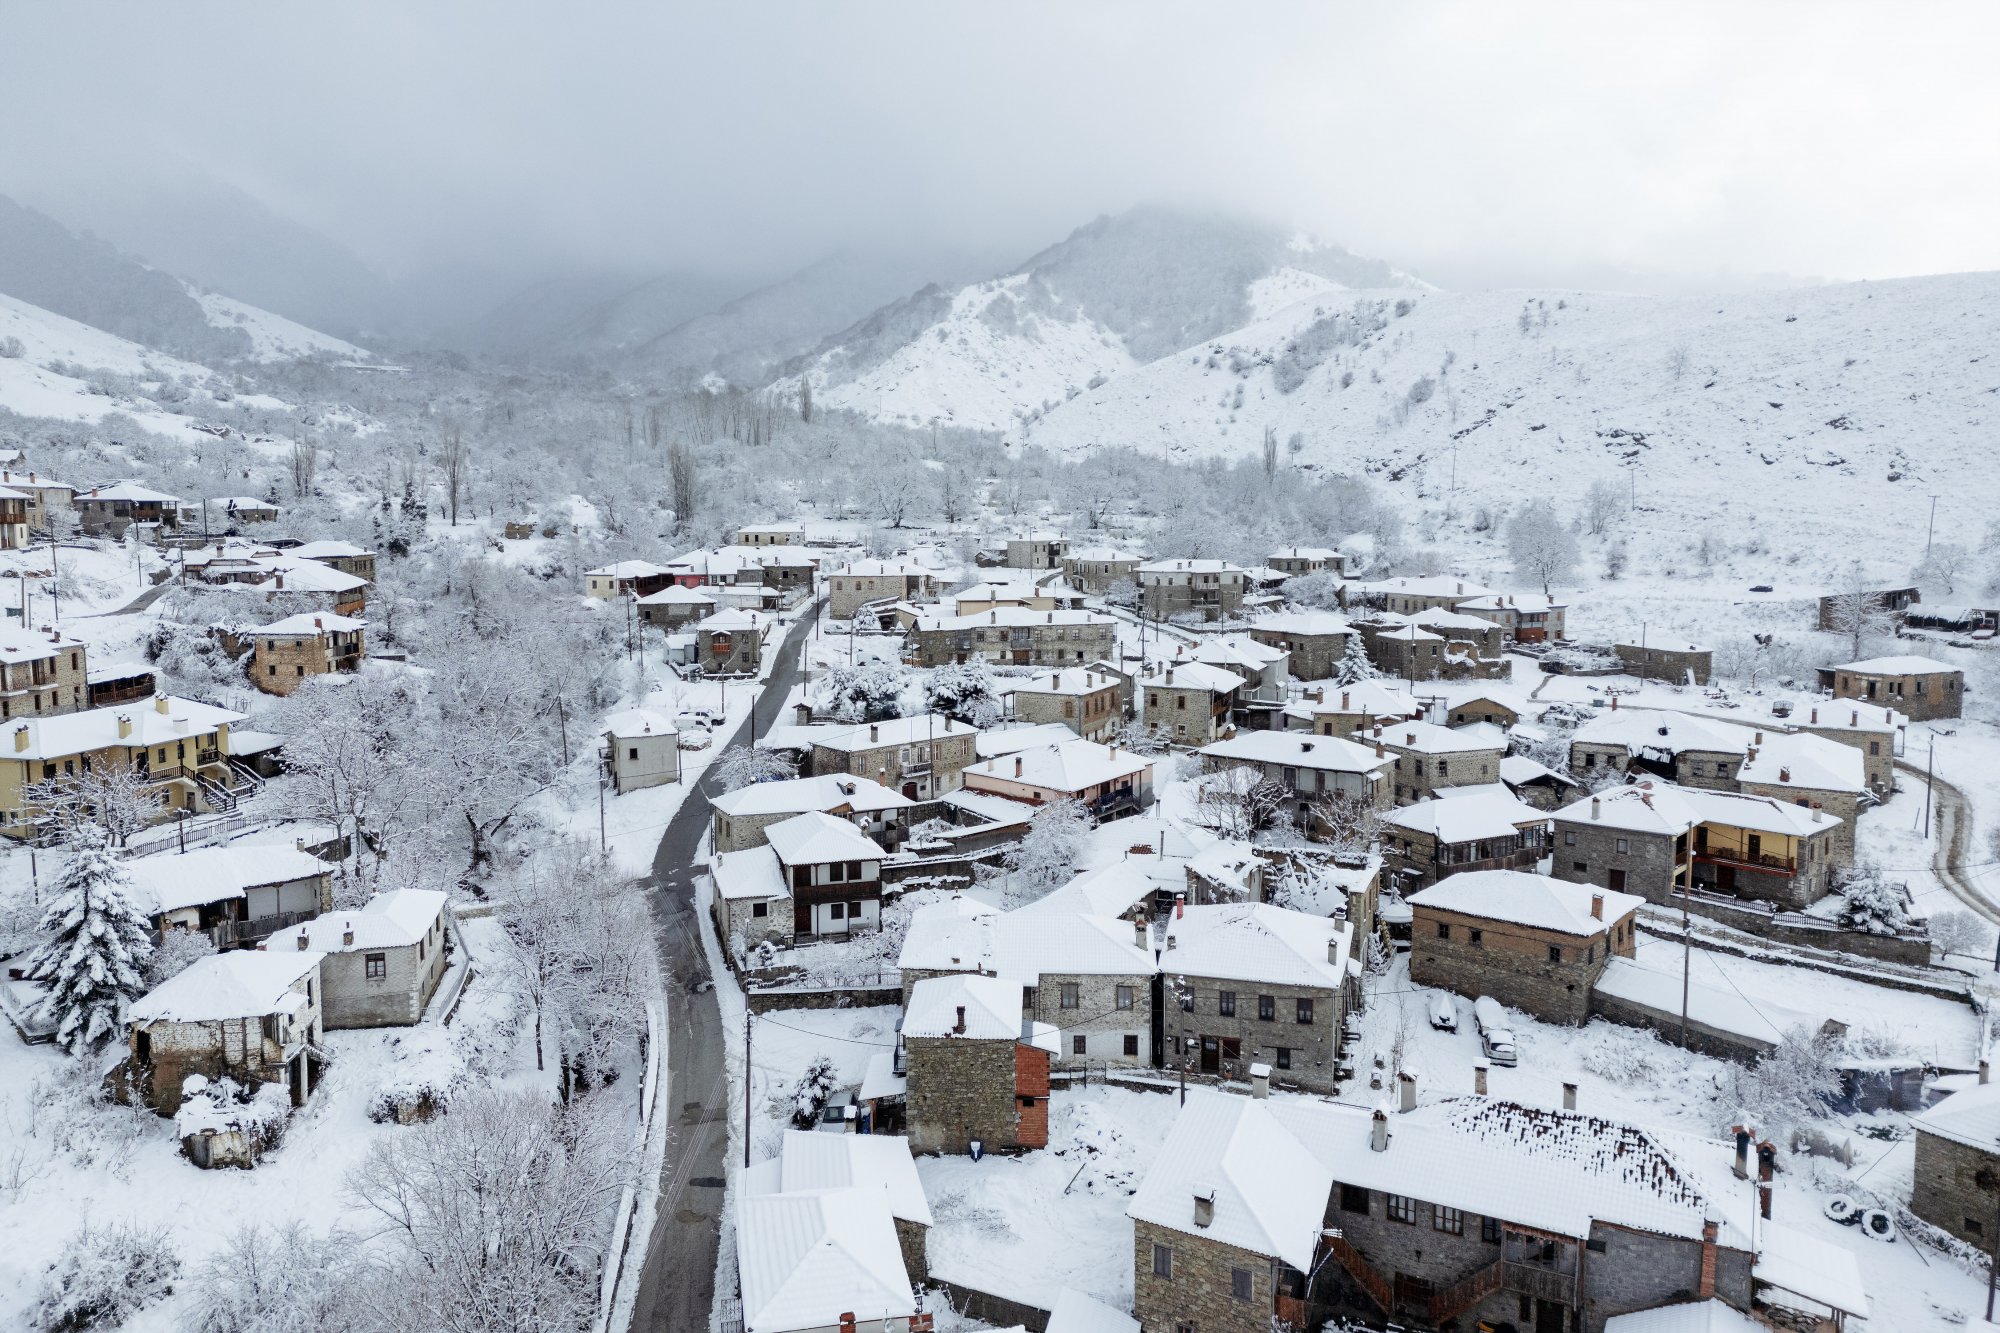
(1486,1012)
(1498,1045)
(834,1117)
(1444,1014)
(695,738)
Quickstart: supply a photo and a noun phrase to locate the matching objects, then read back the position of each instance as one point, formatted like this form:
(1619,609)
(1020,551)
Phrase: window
(1623,846)
(1477,936)
(1402,1209)
(1305,1011)
(1353,1199)
(854,870)
(1569,837)
(632,752)
(1267,1007)
(1448,1220)
(1187,1002)
(1875,747)
(836,872)
(1124,997)
(1555,953)
(1225,1003)
(1596,1246)
(1580,867)
(1489,1230)
(1163,1261)
(1239,1283)
(1284,1057)
(1078,1046)
(760,909)
(1444,930)
(837,911)
(1070,997)
(375,966)
(1132,1044)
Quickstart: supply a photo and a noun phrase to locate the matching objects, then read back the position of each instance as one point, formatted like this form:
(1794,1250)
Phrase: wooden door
(1211,1055)
(1550,1317)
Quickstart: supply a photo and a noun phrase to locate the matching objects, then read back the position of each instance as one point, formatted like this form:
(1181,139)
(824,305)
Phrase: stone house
(1872,731)
(1485,640)
(1011,636)
(637,578)
(1189,703)
(247,1015)
(1077,697)
(740,817)
(1920,688)
(1403,651)
(1956,1184)
(833,872)
(181,746)
(1689,751)
(1316,641)
(1349,710)
(1890,601)
(1307,768)
(1106,781)
(983,597)
(14,511)
(233,894)
(1408,595)
(753,900)
(978,1068)
(1250,983)
(1465,704)
(230,512)
(109,510)
(1209,589)
(730,643)
(1813,772)
(1037,550)
(1296,561)
(42,672)
(1458,833)
(1096,568)
(1523,617)
(1266,669)
(877,1162)
(920,756)
(675,607)
(771,534)
(811,1260)
(286,653)
(1536,784)
(1657,840)
(1529,941)
(864,581)
(641,749)
(1675,661)
(343,556)
(380,965)
(43,494)
(1430,757)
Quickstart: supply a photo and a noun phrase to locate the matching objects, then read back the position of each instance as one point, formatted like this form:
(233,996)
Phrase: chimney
(1569,1096)
(1260,1080)
(124,727)
(958,1028)
(1343,701)
(1855,721)
(1180,899)
(1614,703)
(1460,587)
(1409,738)
(1984,1071)
(1378,1131)
(1017,765)
(1741,1168)
(1479,1079)
(1406,1091)
(318,623)
(847,1323)
(1767,1161)
(1596,907)
(1815,715)
(1141,937)
(281,583)
(1596,807)
(1378,745)
(874,733)
(1756,738)
(1170,673)
(1784,775)
(1204,1204)
(159,703)
(1705,1285)
(305,941)
(347,936)
(21,737)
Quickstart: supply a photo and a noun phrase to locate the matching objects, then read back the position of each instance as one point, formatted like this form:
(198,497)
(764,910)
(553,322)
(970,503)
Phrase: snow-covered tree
(964,691)
(743,765)
(1238,803)
(94,961)
(1857,614)
(1321,590)
(1791,1087)
(1349,825)
(1354,665)
(277,1279)
(177,952)
(1046,857)
(1542,547)
(809,1094)
(115,798)
(1961,933)
(1872,904)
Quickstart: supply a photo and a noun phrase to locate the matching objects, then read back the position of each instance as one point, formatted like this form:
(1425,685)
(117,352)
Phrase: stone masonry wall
(961,1089)
(1199,1290)
(1946,1191)
(1097,1019)
(1312,1047)
(1587,853)
(396,999)
(1510,963)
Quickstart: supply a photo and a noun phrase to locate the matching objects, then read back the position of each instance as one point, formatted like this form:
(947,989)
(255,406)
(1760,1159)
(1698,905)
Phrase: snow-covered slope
(1112,296)
(1824,402)
(272,337)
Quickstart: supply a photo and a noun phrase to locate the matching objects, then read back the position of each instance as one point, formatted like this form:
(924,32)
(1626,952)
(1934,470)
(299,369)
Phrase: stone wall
(1709,1041)
(1091,716)
(1878,749)
(1185,713)
(1946,1190)
(1417,776)
(1199,1291)
(1510,963)
(1312,1048)
(819,997)
(1842,805)
(911,1239)
(961,1089)
(1587,852)
(1097,1019)
(395,999)
(1314,656)
(1668,664)
(1942,694)
(1912,950)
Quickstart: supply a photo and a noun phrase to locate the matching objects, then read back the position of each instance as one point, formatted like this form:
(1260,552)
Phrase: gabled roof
(1645,730)
(1189,567)
(992,1008)
(1517,770)
(1069,680)
(1522,899)
(1970,1117)
(1075,1312)
(728,620)
(1896,666)
(1298,749)
(751,874)
(1075,765)
(129,491)
(1814,763)
(1466,818)
(1686,1317)
(97,728)
(1191,675)
(677,594)
(1110,890)
(811,1161)
(1370,698)
(1429,738)
(816,838)
(961,935)
(308,624)
(892,731)
(396,919)
(21,645)
(626,569)
(1256,942)
(1432,585)
(830,792)
(167,883)
(884,569)
(629,722)
(804,1258)
(1268,1190)
(997,741)
(1663,808)
(1304,624)
(330,550)
(1304,553)
(243,983)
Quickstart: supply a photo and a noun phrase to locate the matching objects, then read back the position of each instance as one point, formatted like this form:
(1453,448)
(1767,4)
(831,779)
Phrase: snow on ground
(272,336)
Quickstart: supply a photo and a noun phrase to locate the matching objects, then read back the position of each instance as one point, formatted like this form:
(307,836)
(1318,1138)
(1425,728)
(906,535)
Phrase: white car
(696,738)
(1444,1014)
(1498,1044)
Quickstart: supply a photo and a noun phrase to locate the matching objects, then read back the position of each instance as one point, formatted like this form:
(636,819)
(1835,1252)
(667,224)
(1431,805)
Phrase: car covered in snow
(1444,1013)
(695,738)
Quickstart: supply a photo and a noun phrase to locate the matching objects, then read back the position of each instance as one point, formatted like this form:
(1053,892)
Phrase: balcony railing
(1766,861)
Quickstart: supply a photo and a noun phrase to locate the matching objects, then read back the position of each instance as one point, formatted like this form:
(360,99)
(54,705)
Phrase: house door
(1550,1317)
(1756,846)
(1211,1055)
(910,790)
(299,1079)
(1725,879)
(802,919)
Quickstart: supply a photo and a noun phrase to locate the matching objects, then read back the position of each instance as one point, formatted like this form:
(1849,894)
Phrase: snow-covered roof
(812,1161)
(1069,680)
(97,729)
(1896,666)
(1717,1007)
(1012,617)
(1105,555)
(1662,807)
(20,645)
(816,838)
(1159,567)
(893,731)
(1110,890)
(392,920)
(676,594)
(730,620)
(626,569)
(1304,553)
(1191,675)
(1466,818)
(883,569)
(881,1078)
(169,882)
(1329,753)
(1433,585)
(32,481)
(1075,1312)
(1370,698)
(1439,618)
(1518,770)
(1269,1192)
(1237,650)
(1012,740)
(308,624)
(1970,1117)
(1645,730)
(753,873)
(1305,624)
(804,1258)
(627,723)
(1522,899)
(1686,1317)
(1257,942)
(243,983)
(989,809)
(129,491)
(1799,759)
(1531,603)
(1073,766)
(829,792)
(330,550)
(1429,738)
(992,1008)
(961,935)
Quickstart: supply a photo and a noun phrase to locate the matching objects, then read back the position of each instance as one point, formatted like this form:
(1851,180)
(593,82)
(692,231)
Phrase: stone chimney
(1756,738)
(1767,1162)
(1569,1096)
(958,1028)
(281,583)
(1479,1079)
(1378,1131)
(21,737)
(1170,673)
(1333,951)
(1815,715)
(1260,1080)
(874,733)
(1855,721)
(1784,775)
(1343,701)
(305,941)
(1984,1071)
(1204,1204)
(347,935)
(1406,1090)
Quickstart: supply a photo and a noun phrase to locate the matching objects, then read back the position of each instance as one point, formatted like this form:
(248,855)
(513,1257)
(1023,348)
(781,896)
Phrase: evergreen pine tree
(94,962)
(1354,665)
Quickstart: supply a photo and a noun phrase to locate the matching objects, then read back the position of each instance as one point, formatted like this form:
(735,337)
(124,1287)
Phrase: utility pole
(562,723)
(748,1020)
(1930,765)
(1687,951)
(1929,532)
(603,843)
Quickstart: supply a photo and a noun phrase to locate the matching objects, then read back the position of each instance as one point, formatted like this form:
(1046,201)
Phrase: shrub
(106,1275)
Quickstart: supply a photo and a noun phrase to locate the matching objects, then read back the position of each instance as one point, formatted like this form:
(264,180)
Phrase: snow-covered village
(639,696)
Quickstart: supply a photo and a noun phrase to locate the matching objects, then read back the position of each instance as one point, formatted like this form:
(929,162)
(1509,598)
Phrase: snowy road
(677,1281)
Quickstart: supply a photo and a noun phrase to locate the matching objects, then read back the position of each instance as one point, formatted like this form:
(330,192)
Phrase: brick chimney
(1596,907)
(1784,775)
(874,733)
(1378,1131)
(1017,765)
(958,1028)
(1705,1286)
(1343,701)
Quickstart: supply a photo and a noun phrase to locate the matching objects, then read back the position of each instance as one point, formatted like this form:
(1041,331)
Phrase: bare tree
(1543,549)
(1238,803)
(304,466)
(1600,506)
(1678,358)
(114,797)
(684,481)
(1942,566)
(452,463)
(1349,825)
(953,495)
(1857,612)
(806,399)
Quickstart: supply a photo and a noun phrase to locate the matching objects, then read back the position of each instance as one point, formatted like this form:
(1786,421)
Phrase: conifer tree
(1354,665)
(94,961)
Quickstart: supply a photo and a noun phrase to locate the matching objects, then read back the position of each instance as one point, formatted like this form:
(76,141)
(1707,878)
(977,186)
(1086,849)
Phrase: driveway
(677,1278)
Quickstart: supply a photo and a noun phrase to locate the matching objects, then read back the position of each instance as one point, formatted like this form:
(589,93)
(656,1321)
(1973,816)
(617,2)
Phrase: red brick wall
(1031,1080)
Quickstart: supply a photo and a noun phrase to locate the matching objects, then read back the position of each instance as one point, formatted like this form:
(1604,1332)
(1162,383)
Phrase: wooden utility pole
(1930,766)
(749,1020)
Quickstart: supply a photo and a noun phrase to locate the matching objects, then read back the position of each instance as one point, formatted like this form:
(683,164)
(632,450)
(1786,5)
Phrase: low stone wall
(1811,933)
(1707,1040)
(998,1311)
(814,997)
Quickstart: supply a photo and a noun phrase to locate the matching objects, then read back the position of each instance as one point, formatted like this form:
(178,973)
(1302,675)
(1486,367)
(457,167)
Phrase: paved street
(677,1279)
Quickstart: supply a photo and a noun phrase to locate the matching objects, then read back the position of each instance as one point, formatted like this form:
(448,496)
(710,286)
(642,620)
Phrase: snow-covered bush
(868,693)
(106,1275)
(223,1106)
(1872,904)
(962,691)
(428,1072)
(1047,855)
(178,950)
(810,1093)
(1624,1055)
(1787,1089)
(1961,932)
(275,1279)
(746,764)
(1320,591)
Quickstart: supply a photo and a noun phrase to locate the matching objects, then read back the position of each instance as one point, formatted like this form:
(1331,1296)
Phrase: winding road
(677,1279)
(1954,833)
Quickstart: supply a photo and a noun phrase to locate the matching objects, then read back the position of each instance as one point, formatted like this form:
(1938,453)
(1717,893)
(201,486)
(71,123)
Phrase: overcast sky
(1473,142)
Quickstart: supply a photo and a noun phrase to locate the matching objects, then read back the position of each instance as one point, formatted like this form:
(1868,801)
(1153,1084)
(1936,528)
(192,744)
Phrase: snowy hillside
(1824,402)
(272,337)
(1114,295)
